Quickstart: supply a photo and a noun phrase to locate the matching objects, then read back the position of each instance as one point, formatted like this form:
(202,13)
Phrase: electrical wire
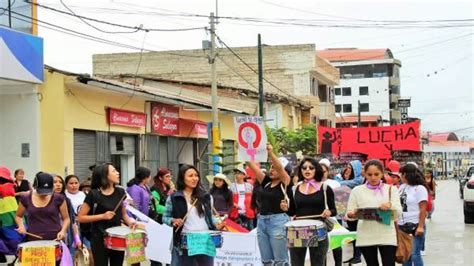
(84,19)
(6,9)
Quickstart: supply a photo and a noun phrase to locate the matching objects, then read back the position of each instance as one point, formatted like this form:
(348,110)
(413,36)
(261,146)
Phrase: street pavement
(449,241)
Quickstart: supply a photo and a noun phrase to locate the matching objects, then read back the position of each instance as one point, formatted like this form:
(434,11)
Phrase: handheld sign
(135,248)
(252,138)
(375,214)
(200,243)
(34,256)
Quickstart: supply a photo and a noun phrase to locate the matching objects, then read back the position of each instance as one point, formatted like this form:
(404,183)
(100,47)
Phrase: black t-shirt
(313,204)
(271,197)
(102,205)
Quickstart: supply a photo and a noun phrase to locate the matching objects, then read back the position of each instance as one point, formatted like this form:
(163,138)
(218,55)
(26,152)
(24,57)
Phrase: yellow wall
(72,106)
(226,121)
(52,123)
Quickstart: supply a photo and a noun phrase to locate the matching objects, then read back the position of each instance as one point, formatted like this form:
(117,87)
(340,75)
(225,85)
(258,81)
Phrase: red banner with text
(376,142)
(165,119)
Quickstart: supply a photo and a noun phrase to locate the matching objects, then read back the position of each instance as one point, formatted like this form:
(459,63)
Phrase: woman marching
(104,209)
(138,190)
(188,210)
(431,185)
(374,237)
(160,192)
(274,203)
(312,197)
(221,194)
(414,198)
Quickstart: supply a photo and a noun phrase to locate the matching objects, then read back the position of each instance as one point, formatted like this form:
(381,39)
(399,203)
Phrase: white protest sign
(238,249)
(160,238)
(252,138)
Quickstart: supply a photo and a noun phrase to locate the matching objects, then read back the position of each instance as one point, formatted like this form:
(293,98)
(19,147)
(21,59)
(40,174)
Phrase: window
(364,90)
(338,108)
(322,93)
(314,85)
(337,91)
(364,107)
(347,108)
(346,91)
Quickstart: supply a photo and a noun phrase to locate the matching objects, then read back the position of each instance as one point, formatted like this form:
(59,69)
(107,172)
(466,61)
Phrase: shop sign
(165,119)
(126,118)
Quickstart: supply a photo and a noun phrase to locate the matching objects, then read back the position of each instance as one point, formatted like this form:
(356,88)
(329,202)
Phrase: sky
(437,63)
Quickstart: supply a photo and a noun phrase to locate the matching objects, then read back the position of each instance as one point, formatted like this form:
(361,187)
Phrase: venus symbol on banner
(248,140)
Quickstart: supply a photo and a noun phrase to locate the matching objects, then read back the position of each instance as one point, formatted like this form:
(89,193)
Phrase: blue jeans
(271,235)
(415,259)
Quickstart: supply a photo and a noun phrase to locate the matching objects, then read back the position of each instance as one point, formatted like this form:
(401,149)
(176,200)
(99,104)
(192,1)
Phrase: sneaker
(353,261)
(423,253)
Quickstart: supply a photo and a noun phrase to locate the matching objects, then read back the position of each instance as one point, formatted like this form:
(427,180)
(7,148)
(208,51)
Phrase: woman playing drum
(189,210)
(104,209)
(312,198)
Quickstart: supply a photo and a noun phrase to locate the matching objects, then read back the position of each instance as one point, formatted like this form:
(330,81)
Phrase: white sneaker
(423,253)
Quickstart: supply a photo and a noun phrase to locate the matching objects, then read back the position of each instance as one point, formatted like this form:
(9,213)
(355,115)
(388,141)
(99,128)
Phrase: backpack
(86,228)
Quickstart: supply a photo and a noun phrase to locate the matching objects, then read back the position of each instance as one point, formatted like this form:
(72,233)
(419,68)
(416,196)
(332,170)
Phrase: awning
(190,128)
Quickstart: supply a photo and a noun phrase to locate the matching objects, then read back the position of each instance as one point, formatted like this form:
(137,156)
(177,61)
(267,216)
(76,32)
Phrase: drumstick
(185,216)
(308,216)
(33,235)
(120,202)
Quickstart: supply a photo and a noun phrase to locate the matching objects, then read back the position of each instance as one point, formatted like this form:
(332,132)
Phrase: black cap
(44,183)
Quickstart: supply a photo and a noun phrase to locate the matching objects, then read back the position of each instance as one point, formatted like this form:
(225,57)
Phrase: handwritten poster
(38,256)
(200,244)
(135,243)
(375,214)
(376,142)
(252,138)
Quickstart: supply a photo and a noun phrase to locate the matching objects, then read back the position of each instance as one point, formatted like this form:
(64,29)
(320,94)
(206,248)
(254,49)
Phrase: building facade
(291,72)
(369,81)
(21,72)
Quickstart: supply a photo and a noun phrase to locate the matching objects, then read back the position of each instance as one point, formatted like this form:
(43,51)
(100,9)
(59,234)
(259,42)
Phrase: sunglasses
(307,167)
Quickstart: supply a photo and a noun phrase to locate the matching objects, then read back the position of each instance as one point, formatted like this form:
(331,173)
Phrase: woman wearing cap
(103,200)
(221,195)
(45,210)
(189,210)
(274,204)
(242,212)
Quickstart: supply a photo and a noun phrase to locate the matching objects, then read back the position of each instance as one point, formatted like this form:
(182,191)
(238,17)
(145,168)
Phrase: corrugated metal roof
(352,54)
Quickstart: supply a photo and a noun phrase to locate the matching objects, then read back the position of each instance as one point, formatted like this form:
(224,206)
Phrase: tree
(291,141)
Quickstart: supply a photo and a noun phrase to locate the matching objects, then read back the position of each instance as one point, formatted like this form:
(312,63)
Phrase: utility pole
(215,110)
(358,113)
(261,96)
(9,14)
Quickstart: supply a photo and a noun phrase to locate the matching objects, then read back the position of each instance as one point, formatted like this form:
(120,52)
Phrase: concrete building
(291,71)
(21,71)
(370,76)
(447,155)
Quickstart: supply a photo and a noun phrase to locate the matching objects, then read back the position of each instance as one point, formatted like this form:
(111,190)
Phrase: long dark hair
(198,192)
(69,177)
(413,175)
(224,190)
(318,175)
(159,182)
(63,189)
(375,163)
(140,174)
(100,176)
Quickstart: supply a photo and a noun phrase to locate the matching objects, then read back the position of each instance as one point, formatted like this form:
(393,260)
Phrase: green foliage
(291,141)
(272,140)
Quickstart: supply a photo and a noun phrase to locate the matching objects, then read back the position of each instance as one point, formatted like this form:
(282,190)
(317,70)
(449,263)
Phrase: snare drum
(115,237)
(305,233)
(216,238)
(42,243)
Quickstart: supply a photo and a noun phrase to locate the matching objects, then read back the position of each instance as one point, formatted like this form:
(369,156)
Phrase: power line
(132,28)
(78,34)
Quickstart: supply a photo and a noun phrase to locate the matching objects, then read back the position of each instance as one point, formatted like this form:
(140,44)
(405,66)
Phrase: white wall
(19,123)
(378,98)
(274,116)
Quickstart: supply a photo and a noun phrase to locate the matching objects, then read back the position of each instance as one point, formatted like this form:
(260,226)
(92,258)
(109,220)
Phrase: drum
(216,239)
(305,233)
(42,243)
(83,257)
(115,237)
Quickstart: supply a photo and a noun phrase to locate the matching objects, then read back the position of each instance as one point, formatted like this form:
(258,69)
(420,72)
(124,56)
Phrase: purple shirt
(44,221)
(141,197)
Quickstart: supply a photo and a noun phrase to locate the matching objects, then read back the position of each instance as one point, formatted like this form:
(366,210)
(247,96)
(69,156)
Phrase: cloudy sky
(437,62)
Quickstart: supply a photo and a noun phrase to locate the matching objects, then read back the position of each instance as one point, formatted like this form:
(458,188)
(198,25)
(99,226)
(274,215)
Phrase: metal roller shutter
(84,152)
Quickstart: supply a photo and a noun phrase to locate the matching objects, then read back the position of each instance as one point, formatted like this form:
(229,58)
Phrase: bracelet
(77,240)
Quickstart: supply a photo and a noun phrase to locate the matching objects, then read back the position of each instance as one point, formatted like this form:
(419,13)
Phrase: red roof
(440,137)
(354,118)
(353,54)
